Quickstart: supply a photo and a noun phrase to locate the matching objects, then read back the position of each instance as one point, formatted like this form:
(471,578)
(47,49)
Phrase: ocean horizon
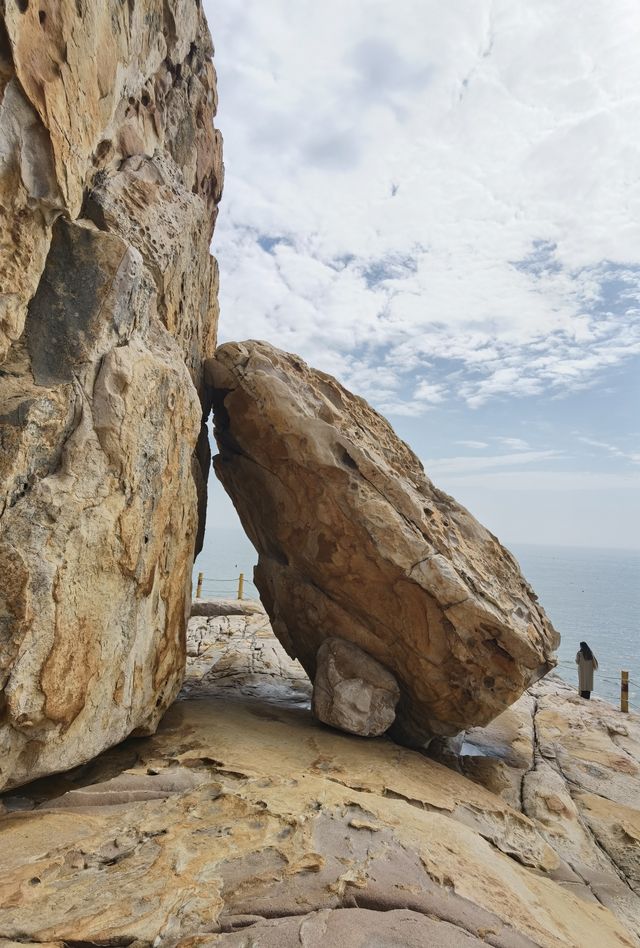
(590,594)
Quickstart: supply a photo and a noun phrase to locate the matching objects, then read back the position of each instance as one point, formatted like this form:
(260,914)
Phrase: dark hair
(586,651)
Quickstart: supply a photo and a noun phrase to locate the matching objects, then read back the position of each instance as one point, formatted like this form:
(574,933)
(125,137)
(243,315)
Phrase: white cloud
(612,449)
(473,463)
(429,393)
(477,445)
(516,444)
(447,195)
(541,480)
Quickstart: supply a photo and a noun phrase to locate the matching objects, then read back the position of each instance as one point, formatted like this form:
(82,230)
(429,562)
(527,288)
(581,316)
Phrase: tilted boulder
(355,542)
(110,173)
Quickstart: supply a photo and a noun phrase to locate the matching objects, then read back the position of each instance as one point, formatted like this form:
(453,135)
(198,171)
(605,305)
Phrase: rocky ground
(243,822)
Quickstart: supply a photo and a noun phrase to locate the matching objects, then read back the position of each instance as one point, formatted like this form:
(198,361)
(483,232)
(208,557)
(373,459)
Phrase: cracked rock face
(352,691)
(110,173)
(355,542)
(243,822)
(573,768)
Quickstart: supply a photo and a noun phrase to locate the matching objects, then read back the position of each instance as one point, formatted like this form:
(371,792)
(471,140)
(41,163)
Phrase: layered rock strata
(110,173)
(244,822)
(355,542)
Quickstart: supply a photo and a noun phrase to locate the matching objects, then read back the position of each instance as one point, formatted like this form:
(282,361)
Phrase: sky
(439,203)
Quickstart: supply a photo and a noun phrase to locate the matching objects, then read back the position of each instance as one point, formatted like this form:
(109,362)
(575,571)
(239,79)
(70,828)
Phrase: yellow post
(624,691)
(199,586)
(240,585)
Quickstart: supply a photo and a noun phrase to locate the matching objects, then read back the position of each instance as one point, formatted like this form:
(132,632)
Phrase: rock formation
(572,767)
(352,691)
(110,172)
(243,822)
(355,542)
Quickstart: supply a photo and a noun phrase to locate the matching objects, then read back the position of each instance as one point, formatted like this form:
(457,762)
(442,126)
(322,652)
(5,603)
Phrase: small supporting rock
(352,691)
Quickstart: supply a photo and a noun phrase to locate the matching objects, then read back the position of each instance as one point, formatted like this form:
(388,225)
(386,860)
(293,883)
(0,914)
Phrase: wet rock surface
(355,542)
(110,174)
(243,821)
(352,691)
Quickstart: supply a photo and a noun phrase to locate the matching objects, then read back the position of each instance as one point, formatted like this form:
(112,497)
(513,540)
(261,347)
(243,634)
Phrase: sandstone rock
(356,542)
(244,822)
(574,768)
(128,788)
(237,654)
(355,928)
(226,607)
(110,171)
(352,691)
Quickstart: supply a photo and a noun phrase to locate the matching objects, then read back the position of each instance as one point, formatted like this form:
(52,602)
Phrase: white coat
(586,668)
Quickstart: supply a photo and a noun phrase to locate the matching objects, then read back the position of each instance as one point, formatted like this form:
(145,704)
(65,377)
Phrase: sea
(590,595)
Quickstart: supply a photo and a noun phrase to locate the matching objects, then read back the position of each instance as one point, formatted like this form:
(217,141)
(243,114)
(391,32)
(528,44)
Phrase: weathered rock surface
(212,608)
(354,927)
(573,767)
(244,822)
(355,542)
(352,691)
(110,172)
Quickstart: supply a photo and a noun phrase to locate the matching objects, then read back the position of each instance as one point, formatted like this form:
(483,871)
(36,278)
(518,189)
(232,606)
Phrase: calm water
(591,595)
(225,555)
(594,596)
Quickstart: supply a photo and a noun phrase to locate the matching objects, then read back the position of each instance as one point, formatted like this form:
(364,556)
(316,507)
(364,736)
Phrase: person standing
(587,664)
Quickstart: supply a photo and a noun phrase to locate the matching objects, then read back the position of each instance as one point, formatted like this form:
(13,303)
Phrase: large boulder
(355,542)
(110,173)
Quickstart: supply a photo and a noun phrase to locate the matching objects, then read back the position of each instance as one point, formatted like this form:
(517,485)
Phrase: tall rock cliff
(110,173)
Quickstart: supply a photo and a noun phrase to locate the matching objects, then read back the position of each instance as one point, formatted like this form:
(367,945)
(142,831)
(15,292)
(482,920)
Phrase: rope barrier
(212,586)
(573,665)
(622,679)
(220,580)
(566,664)
(229,579)
(615,678)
